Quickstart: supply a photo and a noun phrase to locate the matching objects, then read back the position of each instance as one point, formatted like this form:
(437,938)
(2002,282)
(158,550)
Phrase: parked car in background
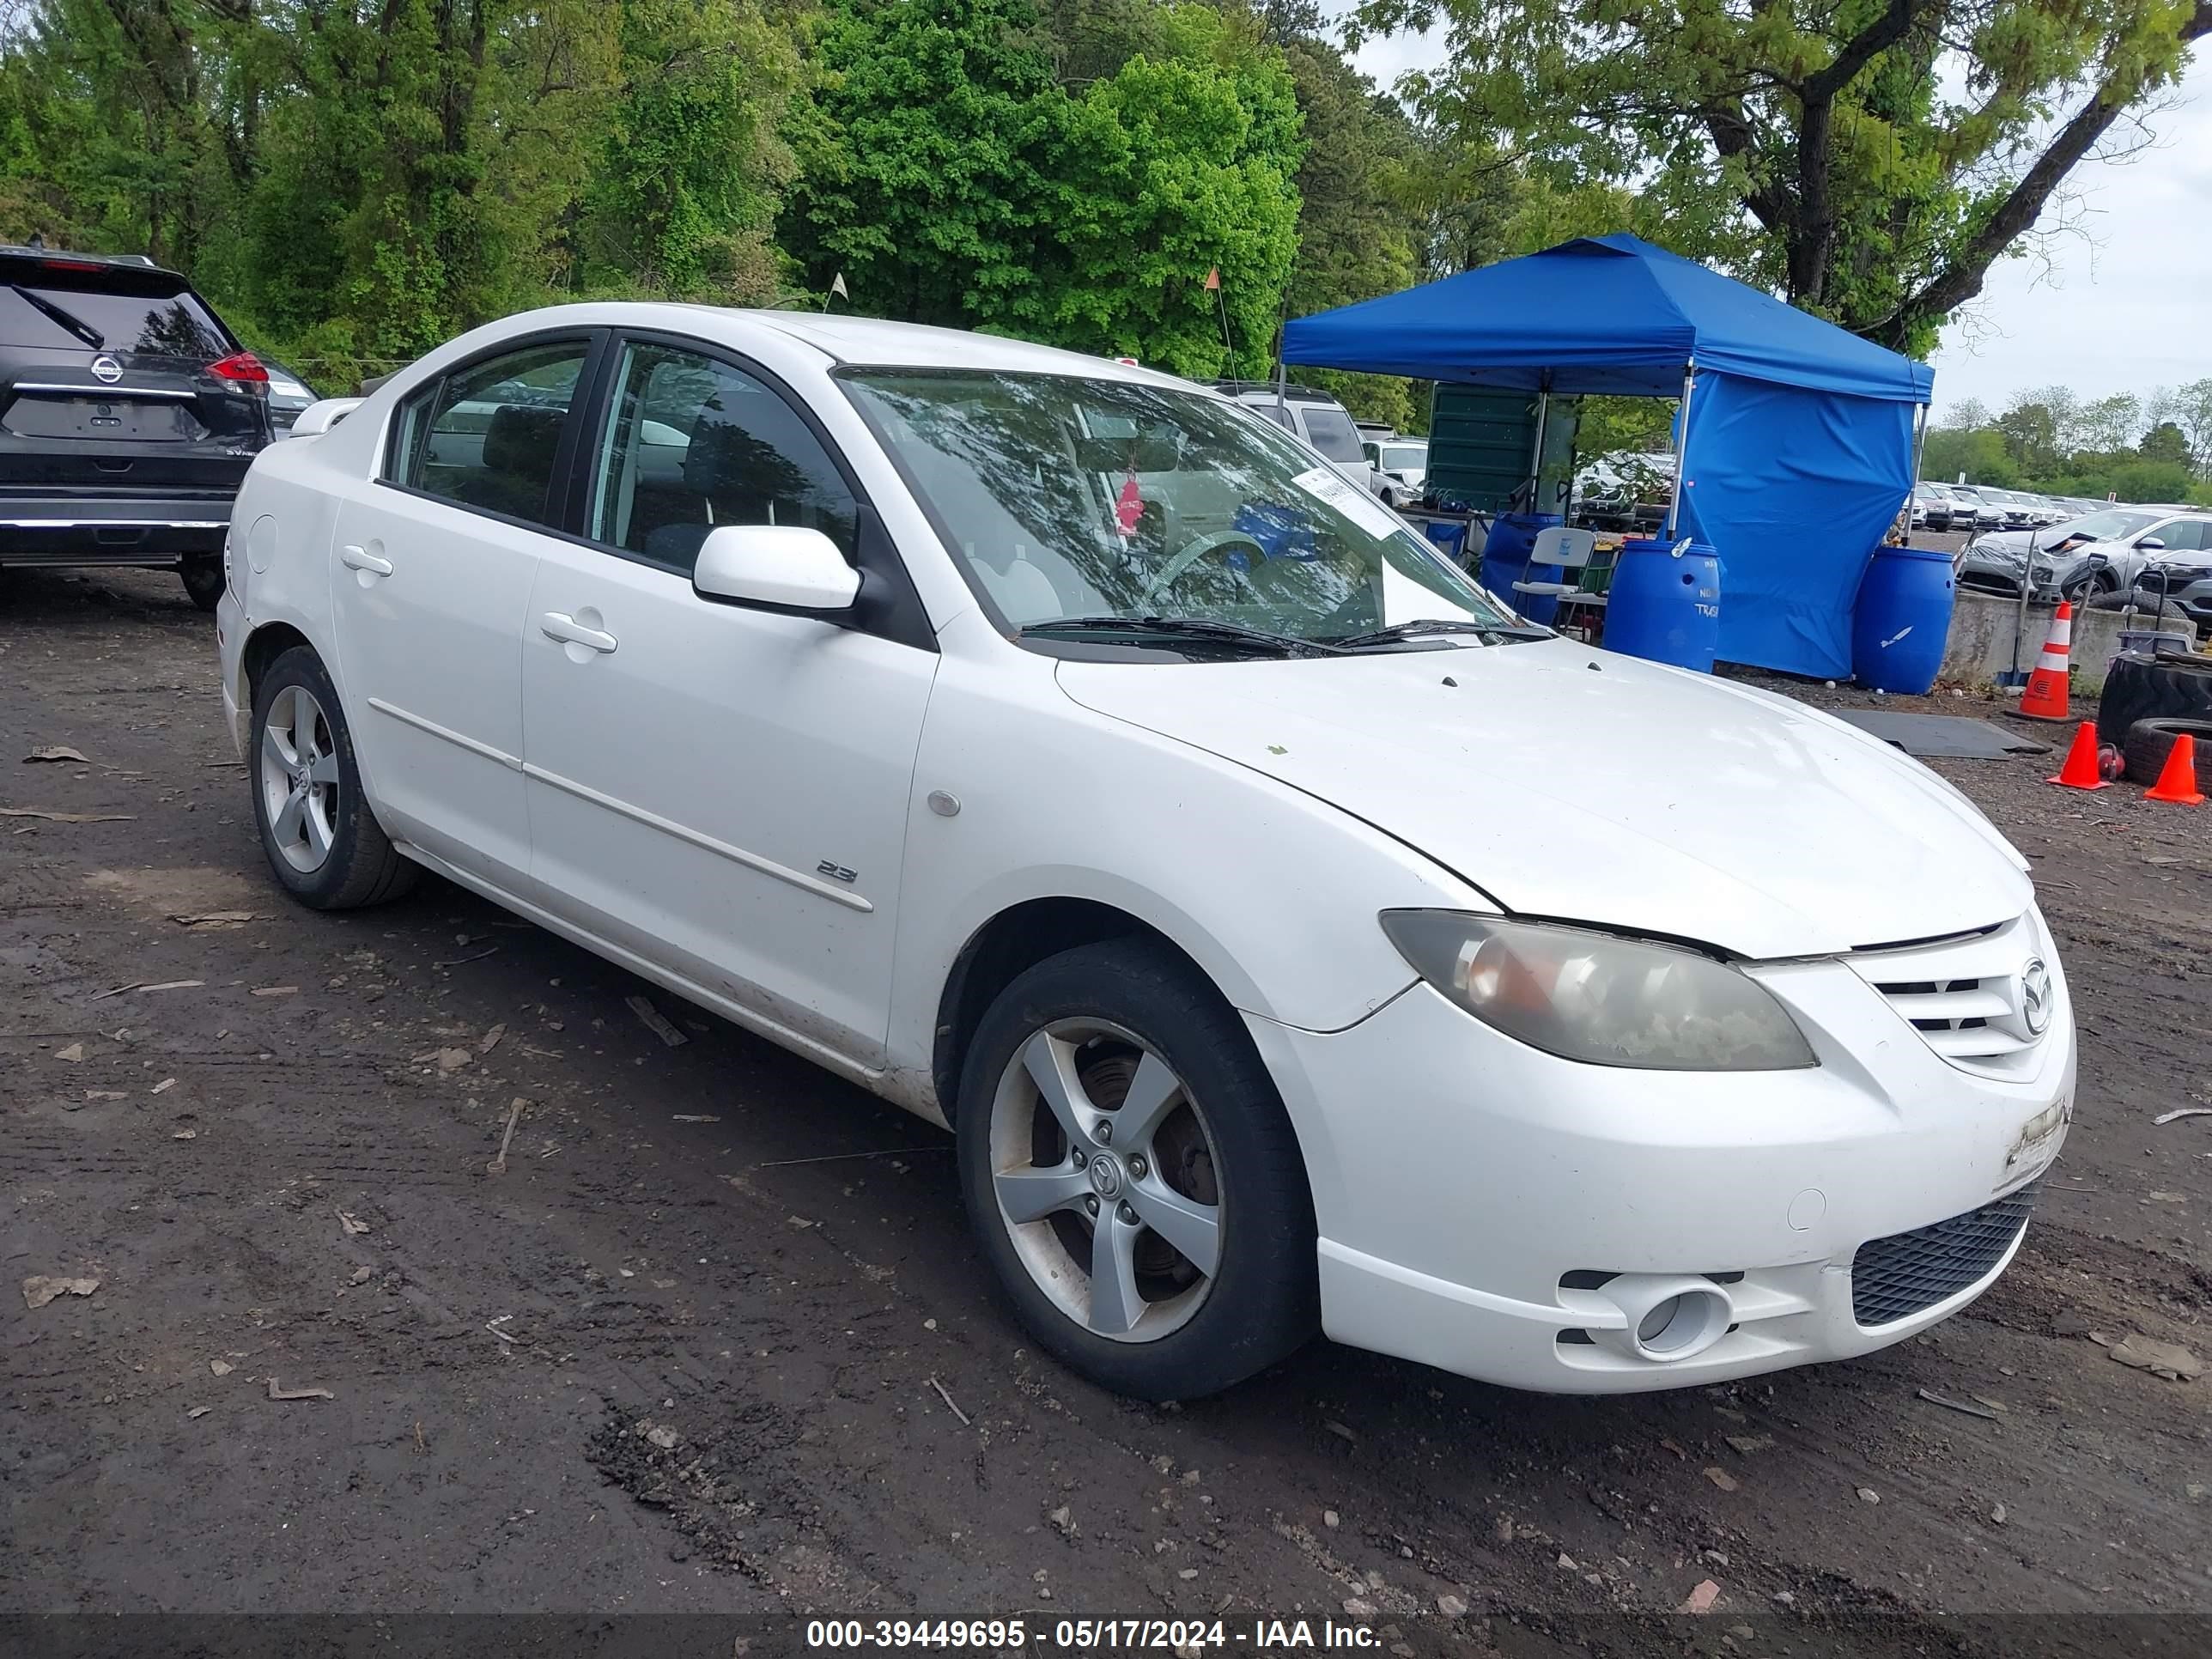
(288,394)
(1981,511)
(2183,579)
(1932,507)
(129,414)
(1318,419)
(1403,463)
(2100,553)
(867,684)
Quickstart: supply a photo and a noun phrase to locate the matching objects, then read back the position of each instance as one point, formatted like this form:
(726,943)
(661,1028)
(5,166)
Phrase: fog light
(1665,1317)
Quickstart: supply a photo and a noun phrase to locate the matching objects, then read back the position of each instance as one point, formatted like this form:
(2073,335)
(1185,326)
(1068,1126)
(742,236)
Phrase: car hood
(2015,542)
(1573,783)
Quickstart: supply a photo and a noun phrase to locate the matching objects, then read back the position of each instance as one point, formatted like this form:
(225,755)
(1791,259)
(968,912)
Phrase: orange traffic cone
(2045,696)
(2177,780)
(2080,770)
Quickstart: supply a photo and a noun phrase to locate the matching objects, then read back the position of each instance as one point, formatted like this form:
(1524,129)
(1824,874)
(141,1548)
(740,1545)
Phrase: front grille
(1896,1277)
(1964,995)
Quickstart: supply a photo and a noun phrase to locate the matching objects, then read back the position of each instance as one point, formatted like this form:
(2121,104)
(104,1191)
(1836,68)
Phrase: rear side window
(40,314)
(486,435)
(1329,430)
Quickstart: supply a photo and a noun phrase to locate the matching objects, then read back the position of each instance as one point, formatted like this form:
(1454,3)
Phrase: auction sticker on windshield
(1327,484)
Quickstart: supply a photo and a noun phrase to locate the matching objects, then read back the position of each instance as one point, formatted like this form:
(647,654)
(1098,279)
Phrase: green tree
(684,200)
(2165,442)
(952,179)
(1868,186)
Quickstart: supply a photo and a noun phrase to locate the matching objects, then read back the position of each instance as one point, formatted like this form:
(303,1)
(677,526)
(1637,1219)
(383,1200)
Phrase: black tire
(1262,1303)
(2141,688)
(203,580)
(2149,743)
(361,866)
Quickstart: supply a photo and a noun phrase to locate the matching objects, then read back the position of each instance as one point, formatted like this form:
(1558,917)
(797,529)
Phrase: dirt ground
(715,1341)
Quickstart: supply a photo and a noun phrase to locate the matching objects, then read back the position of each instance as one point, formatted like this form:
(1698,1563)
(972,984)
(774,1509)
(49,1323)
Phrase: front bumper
(1478,1199)
(122,530)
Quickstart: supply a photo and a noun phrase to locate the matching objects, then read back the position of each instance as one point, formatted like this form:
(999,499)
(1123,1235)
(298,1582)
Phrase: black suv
(128,416)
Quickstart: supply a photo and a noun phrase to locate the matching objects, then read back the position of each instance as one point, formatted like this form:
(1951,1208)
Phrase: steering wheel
(1213,541)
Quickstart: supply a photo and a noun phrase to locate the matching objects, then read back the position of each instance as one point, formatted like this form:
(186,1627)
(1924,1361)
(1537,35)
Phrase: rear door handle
(559,625)
(360,558)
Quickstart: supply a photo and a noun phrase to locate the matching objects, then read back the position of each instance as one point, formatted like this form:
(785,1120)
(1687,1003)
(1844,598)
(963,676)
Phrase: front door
(721,790)
(433,564)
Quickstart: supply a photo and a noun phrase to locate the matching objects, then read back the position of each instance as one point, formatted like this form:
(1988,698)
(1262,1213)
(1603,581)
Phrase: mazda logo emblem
(107,370)
(2035,997)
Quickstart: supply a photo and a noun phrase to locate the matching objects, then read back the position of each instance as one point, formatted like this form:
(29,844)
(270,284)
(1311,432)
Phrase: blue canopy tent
(1804,435)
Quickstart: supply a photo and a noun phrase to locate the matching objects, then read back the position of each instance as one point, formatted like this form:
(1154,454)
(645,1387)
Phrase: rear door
(117,380)
(434,560)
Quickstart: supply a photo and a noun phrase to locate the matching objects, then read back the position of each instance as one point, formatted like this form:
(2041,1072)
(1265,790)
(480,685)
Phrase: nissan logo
(107,370)
(2035,996)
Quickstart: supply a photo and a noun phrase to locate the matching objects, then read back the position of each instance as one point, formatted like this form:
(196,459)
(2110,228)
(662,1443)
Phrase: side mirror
(2150,544)
(320,417)
(778,567)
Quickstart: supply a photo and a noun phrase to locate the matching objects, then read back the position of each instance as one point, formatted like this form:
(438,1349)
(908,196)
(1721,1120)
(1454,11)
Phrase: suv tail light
(242,366)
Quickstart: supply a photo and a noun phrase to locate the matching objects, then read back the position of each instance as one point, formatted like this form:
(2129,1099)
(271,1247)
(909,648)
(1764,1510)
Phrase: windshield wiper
(1193,629)
(1421,626)
(69,319)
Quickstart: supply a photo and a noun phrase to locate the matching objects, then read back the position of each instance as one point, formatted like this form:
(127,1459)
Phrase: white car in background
(1403,466)
(1318,421)
(1056,752)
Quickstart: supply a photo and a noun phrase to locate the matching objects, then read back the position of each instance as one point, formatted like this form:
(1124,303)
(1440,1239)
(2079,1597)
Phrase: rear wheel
(1132,1176)
(320,838)
(203,580)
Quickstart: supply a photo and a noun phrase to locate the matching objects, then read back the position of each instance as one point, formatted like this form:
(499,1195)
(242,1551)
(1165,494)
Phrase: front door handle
(559,625)
(360,558)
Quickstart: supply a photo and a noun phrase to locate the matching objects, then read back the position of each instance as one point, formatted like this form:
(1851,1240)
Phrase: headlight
(1600,999)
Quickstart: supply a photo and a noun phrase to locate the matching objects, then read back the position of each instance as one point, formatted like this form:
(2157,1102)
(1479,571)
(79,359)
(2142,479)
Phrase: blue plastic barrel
(1903,619)
(1505,562)
(1665,607)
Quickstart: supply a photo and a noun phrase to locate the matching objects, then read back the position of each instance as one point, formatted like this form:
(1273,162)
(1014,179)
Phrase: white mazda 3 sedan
(1293,937)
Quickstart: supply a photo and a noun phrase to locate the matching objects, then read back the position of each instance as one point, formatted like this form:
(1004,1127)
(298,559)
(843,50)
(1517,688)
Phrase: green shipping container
(1481,441)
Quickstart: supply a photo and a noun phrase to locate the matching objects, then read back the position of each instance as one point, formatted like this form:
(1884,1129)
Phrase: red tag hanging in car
(1129,506)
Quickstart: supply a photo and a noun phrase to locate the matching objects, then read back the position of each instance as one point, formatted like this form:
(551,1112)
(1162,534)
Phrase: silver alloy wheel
(1105,1175)
(299,770)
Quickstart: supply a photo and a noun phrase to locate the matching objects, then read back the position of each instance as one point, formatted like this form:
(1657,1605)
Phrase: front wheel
(320,838)
(1132,1176)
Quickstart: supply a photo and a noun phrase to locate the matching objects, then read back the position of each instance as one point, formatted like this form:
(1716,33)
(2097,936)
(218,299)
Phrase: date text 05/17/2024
(1176,1636)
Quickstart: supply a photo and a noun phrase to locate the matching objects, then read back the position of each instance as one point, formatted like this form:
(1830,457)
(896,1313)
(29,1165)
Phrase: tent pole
(1681,445)
(1282,399)
(1536,459)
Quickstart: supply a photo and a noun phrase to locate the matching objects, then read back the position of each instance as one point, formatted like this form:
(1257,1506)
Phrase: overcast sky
(2124,308)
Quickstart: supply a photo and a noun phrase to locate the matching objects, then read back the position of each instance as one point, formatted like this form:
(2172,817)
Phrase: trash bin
(1903,619)
(1664,605)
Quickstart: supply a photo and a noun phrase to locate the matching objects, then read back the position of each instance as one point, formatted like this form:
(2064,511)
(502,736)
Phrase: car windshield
(1067,498)
(1405,458)
(2103,526)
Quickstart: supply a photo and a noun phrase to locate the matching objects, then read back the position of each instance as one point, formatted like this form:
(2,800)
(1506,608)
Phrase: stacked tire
(2148,701)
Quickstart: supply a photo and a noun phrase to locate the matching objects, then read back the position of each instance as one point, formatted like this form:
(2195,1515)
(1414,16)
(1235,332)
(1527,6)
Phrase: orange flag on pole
(1214,278)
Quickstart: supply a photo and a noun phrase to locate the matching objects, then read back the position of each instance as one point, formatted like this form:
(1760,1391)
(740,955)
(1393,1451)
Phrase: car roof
(872,341)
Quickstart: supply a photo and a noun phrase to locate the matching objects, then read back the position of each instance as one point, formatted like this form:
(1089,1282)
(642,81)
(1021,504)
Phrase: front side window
(2181,535)
(695,443)
(486,436)
(1064,498)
